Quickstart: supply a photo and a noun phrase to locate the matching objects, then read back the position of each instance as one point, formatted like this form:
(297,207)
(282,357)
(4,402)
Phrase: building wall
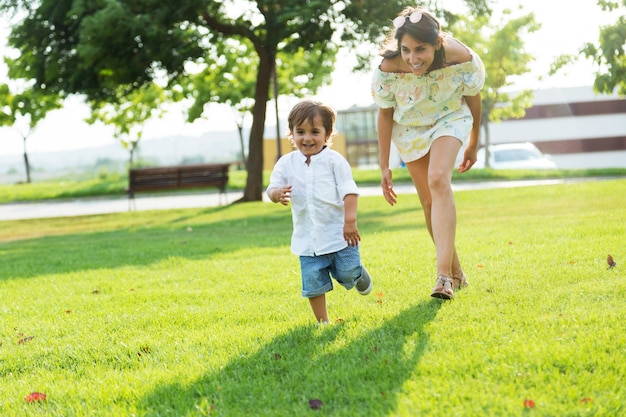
(576,126)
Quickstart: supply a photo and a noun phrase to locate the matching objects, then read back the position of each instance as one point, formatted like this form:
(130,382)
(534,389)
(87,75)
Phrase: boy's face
(310,138)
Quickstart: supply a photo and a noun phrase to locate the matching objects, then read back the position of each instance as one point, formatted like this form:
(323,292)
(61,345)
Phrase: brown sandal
(460,282)
(443,288)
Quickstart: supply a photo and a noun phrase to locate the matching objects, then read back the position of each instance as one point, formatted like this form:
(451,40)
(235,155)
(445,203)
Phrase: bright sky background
(566,25)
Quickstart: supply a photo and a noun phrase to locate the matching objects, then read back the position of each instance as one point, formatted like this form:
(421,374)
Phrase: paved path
(90,206)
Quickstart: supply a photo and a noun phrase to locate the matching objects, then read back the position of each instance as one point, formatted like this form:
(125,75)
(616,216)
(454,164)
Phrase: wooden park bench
(176,178)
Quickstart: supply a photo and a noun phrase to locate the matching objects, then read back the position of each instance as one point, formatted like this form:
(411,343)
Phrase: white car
(523,155)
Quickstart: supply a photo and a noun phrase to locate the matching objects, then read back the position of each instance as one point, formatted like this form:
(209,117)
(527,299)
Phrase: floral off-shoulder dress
(429,106)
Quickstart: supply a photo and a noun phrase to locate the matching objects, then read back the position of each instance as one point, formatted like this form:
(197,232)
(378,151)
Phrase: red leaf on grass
(529,403)
(35,397)
(316,404)
(585,400)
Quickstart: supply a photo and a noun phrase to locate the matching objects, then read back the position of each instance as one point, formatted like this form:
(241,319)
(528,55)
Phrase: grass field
(116,184)
(198,312)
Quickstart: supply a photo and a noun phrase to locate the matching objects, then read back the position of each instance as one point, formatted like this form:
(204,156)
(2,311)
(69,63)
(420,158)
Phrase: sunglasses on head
(414,17)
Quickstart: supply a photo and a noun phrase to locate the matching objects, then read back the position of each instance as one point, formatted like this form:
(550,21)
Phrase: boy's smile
(310,137)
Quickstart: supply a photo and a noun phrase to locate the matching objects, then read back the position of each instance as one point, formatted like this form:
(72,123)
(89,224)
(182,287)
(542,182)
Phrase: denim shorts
(344,266)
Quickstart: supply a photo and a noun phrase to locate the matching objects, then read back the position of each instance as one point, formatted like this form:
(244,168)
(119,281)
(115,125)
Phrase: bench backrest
(182,176)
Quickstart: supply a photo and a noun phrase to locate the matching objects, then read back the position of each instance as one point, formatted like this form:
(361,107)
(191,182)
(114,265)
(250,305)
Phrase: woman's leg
(432,177)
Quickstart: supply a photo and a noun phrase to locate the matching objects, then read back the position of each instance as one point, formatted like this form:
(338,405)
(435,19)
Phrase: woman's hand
(387,185)
(469,159)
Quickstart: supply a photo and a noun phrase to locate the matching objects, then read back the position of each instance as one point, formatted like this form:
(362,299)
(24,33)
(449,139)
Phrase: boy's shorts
(344,266)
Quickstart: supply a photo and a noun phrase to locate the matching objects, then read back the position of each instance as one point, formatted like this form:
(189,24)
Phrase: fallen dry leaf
(316,404)
(25,340)
(610,261)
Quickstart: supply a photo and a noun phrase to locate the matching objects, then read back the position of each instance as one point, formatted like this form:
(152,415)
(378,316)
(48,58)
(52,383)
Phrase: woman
(427,88)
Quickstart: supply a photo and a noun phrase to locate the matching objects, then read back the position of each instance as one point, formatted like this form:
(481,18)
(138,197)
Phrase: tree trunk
(279,151)
(26,163)
(243,151)
(131,157)
(254,182)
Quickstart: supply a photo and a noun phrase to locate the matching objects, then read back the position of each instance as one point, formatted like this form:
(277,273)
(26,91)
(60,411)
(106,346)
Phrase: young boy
(318,182)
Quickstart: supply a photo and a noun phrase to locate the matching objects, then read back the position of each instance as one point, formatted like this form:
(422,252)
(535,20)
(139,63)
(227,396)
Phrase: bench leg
(225,197)
(131,203)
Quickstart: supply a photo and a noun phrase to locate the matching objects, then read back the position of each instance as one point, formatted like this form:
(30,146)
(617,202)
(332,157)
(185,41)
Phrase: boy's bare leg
(318,304)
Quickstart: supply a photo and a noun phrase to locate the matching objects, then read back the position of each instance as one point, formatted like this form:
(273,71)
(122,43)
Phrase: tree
(100,46)
(128,114)
(229,79)
(29,107)
(502,50)
(608,53)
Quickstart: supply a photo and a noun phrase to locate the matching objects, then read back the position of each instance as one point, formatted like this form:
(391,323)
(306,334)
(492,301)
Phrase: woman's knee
(439,180)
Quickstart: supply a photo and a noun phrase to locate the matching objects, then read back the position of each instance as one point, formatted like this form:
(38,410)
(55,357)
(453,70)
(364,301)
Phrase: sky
(566,26)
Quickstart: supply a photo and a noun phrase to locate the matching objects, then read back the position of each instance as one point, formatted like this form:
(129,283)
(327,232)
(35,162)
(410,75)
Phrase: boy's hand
(283,195)
(351,234)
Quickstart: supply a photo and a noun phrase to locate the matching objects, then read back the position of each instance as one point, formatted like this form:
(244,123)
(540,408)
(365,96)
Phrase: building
(576,126)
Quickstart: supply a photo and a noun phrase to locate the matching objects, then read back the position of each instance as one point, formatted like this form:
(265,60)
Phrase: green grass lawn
(197,312)
(115,184)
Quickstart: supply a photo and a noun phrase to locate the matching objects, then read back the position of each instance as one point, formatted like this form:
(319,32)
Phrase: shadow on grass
(142,242)
(146,240)
(362,377)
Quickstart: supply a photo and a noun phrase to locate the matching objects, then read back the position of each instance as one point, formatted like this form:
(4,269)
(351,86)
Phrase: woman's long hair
(427,30)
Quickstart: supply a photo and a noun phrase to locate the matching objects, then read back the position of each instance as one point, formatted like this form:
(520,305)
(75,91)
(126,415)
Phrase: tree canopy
(101,47)
(608,51)
(501,47)
(30,106)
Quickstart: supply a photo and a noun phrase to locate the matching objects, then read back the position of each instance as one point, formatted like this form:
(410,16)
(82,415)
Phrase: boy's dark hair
(306,110)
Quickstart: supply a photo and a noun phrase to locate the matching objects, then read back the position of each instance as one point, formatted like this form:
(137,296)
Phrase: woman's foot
(443,288)
(459,281)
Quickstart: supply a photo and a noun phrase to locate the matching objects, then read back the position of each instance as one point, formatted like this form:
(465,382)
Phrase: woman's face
(417,54)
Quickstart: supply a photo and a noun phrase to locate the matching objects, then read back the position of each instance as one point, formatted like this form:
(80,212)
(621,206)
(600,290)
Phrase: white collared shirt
(317,195)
